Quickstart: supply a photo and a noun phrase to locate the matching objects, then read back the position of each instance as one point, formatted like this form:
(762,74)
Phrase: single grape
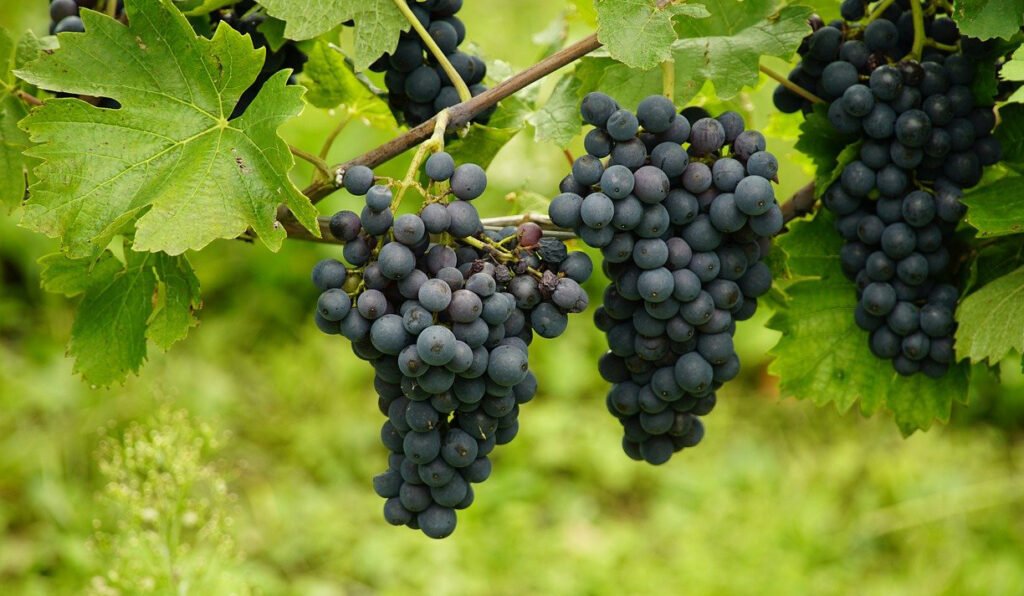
(468,182)
(440,166)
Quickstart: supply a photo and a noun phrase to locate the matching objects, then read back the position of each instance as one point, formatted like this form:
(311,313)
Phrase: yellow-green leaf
(170,161)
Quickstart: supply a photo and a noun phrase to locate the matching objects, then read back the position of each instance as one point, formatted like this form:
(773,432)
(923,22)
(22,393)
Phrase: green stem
(919,35)
(435,143)
(668,79)
(329,142)
(877,12)
(111,8)
(942,47)
(788,84)
(321,166)
(460,85)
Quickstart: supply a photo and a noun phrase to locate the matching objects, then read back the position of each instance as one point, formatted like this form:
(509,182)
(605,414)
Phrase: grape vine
(141,130)
(899,84)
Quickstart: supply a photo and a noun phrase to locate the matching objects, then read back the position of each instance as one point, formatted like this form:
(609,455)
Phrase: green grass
(780,496)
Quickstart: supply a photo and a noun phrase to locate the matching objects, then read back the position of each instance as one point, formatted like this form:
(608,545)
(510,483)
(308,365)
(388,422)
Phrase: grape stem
(668,79)
(111,8)
(877,12)
(459,116)
(329,142)
(436,143)
(28,98)
(790,85)
(917,14)
(942,47)
(803,202)
(321,166)
(435,50)
(24,96)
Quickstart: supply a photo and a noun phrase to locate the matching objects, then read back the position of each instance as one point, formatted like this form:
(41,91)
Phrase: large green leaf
(639,33)
(997,209)
(14,165)
(169,160)
(992,320)
(378,23)
(149,295)
(989,18)
(822,354)
(724,49)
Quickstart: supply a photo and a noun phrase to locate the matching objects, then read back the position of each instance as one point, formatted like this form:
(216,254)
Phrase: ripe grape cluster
(922,140)
(682,232)
(445,311)
(417,86)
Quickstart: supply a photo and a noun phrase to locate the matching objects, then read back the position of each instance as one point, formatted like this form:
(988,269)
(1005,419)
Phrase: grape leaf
(729,53)
(168,160)
(994,261)
(822,354)
(627,85)
(1013,70)
(1010,133)
(14,165)
(514,110)
(174,311)
(986,19)
(829,150)
(378,23)
(149,295)
(997,209)
(481,144)
(331,83)
(73,277)
(992,320)
(724,49)
(639,33)
(559,120)
(273,31)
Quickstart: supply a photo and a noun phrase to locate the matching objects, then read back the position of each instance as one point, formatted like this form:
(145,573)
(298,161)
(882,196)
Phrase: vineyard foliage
(130,191)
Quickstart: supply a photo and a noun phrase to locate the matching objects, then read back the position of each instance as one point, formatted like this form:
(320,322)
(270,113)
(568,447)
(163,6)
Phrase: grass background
(780,498)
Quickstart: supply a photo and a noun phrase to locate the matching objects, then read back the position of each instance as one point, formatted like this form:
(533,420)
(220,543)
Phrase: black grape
(923,139)
(679,240)
(447,328)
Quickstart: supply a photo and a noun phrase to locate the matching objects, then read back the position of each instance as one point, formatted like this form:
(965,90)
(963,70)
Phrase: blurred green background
(780,498)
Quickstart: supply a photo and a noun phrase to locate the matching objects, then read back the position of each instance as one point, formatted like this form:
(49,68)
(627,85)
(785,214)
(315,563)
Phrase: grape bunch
(445,312)
(682,232)
(64,14)
(922,140)
(417,86)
